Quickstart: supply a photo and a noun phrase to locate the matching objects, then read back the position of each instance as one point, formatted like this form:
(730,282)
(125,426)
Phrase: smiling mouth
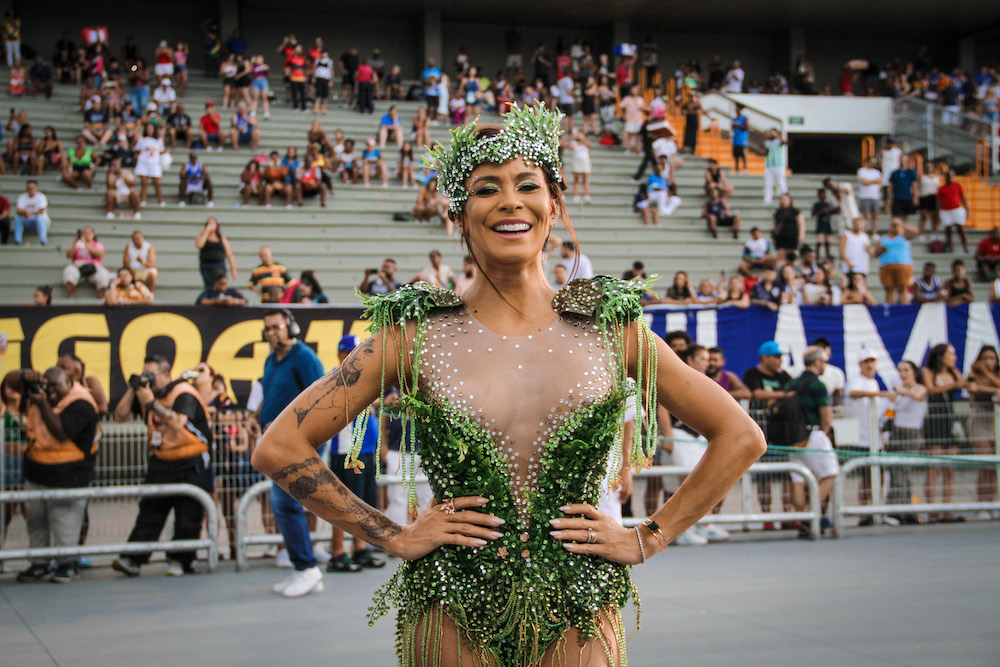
(511,228)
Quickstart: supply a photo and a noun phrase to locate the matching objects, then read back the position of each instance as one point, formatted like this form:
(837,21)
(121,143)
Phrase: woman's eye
(486,190)
(528,186)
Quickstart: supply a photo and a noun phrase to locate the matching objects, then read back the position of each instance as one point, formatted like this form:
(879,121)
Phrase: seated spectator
(706,294)
(21,151)
(79,167)
(421,134)
(716,178)
(350,168)
(468,275)
(220,293)
(792,285)
(807,262)
(4,220)
(767,292)
(373,164)
(380,281)
(857,291)
(928,288)
(48,151)
(641,204)
(164,95)
(393,89)
(305,290)
(436,273)
(16,119)
(86,257)
(18,79)
(179,127)
(314,179)
(292,166)
(273,176)
(735,294)
(125,290)
(988,254)
(390,127)
(32,213)
(243,128)
(122,151)
(269,274)
(250,182)
(40,76)
(97,127)
(210,123)
(717,214)
(679,293)
(317,136)
(196,184)
(958,288)
(120,190)
(430,204)
(662,192)
(405,164)
(140,256)
(758,253)
(819,292)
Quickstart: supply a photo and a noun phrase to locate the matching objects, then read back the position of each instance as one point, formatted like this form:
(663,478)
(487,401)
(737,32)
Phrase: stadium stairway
(356,230)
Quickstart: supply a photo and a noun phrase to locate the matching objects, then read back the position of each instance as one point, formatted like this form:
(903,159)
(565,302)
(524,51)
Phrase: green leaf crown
(530,132)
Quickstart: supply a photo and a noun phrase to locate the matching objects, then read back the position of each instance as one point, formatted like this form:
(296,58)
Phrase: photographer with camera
(179,438)
(380,281)
(62,431)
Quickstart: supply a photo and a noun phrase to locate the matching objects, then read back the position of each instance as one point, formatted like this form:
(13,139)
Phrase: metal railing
(943,134)
(92,493)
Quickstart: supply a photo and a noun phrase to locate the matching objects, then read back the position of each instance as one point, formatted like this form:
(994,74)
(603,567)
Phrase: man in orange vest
(62,431)
(179,438)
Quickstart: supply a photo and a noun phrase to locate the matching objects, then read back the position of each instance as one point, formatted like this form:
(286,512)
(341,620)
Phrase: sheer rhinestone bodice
(518,390)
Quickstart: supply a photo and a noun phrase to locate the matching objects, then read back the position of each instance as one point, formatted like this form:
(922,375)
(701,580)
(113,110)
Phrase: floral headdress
(530,132)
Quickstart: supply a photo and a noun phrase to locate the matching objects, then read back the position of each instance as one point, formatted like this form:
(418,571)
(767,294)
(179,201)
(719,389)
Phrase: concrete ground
(921,595)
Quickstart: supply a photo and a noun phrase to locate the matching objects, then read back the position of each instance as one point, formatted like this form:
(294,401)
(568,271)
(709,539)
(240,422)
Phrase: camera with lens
(36,386)
(145,379)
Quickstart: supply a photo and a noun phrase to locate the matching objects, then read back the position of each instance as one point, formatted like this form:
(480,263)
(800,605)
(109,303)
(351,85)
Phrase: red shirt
(364,73)
(846,83)
(949,196)
(210,123)
(297,68)
(4,208)
(988,247)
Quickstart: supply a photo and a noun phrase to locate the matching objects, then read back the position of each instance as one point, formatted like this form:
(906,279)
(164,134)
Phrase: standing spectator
(766,381)
(928,205)
(195,183)
(12,37)
(953,211)
(437,274)
(214,251)
(120,190)
(86,263)
(987,254)
(290,368)
(648,155)
(895,261)
(296,66)
(148,165)
(366,80)
(348,66)
(904,186)
(580,146)
(958,288)
(984,385)
(322,76)
(717,213)
(856,248)
(942,379)
(431,77)
(726,379)
(788,228)
(236,44)
(906,437)
(180,439)
(78,166)
(62,435)
(870,193)
(181,53)
(125,290)
(380,281)
(862,397)
(734,81)
(822,211)
(42,296)
(515,58)
(890,159)
(269,278)
(31,213)
(758,253)
(928,288)
(220,293)
(578,264)
(740,133)
(774,165)
(632,107)
(261,89)
(140,256)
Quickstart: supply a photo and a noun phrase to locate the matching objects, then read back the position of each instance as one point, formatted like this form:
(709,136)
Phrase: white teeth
(522,227)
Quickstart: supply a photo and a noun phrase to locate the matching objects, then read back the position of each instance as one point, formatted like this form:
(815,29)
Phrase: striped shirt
(775,153)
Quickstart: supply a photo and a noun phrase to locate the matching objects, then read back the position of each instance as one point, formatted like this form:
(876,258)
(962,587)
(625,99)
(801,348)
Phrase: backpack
(786,421)
(937,246)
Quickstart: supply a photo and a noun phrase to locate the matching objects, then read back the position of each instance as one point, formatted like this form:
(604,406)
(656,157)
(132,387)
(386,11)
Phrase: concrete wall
(826,115)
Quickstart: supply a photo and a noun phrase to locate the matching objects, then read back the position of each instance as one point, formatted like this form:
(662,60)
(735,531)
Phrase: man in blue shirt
(741,137)
(902,182)
(431,77)
(289,369)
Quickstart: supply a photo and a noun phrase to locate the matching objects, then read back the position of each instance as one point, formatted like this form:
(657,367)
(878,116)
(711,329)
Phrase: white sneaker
(891,521)
(712,533)
(182,203)
(304,582)
(984,515)
(211,204)
(321,555)
(690,538)
(576,199)
(280,587)
(175,569)
(137,216)
(110,216)
(586,199)
(282,560)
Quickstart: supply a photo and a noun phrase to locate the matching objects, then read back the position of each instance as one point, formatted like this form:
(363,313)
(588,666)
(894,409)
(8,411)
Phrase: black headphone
(293,326)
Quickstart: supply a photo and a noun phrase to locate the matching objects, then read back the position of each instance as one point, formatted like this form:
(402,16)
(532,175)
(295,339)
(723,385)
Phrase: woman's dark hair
(989,348)
(916,370)
(309,278)
(146,127)
(252,163)
(935,357)
(24,131)
(957,263)
(49,128)
(130,270)
(681,273)
(47,291)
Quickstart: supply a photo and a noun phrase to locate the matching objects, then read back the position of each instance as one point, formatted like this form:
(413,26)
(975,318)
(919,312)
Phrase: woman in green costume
(517,394)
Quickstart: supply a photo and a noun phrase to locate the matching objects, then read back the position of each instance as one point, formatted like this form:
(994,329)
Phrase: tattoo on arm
(347,375)
(310,476)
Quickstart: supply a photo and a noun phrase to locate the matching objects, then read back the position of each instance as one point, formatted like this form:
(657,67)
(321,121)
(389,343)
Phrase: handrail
(101,492)
(707,98)
(867,148)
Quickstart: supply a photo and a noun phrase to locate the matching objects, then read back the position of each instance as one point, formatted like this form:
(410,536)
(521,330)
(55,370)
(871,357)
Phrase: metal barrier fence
(92,493)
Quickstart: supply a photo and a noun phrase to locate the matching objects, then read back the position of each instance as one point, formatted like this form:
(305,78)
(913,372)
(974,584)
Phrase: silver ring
(591,536)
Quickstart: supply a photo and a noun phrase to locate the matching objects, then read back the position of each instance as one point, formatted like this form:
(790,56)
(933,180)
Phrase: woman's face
(819,277)
(958,271)
(989,358)
(786,201)
(949,357)
(509,212)
(905,372)
(788,273)
(680,279)
(125,277)
(306,289)
(735,285)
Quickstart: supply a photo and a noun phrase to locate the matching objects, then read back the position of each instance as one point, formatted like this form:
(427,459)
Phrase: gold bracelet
(654,528)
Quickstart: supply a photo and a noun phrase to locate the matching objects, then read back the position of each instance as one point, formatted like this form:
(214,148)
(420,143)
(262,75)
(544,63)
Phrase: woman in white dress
(444,95)
(580,145)
(148,166)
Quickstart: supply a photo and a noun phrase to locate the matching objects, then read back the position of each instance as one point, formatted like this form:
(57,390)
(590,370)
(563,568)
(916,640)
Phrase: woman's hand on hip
(454,521)
(596,533)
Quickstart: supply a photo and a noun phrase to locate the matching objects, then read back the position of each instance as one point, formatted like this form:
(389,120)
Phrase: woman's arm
(957,382)
(202,239)
(233,271)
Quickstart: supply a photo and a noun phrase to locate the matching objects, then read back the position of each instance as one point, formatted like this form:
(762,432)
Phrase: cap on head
(769,349)
(866,354)
(348,343)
